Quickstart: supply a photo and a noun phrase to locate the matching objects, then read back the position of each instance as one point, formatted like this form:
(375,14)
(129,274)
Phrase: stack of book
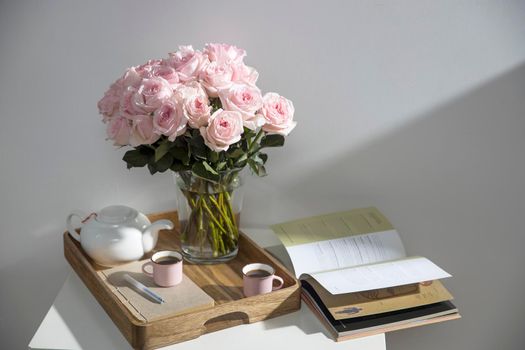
(357,278)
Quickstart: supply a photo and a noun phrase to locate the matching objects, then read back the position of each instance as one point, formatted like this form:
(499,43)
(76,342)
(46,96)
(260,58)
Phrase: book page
(331,226)
(346,252)
(381,275)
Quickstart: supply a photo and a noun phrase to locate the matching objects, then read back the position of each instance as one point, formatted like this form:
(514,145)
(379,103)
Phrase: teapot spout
(151,233)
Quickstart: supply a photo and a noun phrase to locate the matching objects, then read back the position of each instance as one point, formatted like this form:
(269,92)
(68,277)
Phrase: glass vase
(209,214)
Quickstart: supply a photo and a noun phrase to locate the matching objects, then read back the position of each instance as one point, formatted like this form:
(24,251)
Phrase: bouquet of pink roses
(198,113)
(194,110)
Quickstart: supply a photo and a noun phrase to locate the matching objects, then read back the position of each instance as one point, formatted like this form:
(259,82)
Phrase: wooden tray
(223,282)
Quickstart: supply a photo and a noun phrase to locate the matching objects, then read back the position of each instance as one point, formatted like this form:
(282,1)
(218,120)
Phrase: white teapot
(117,234)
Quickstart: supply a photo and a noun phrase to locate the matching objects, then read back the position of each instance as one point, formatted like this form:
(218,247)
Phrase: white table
(76,321)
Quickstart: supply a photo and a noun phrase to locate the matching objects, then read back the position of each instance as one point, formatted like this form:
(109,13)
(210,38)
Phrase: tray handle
(225,320)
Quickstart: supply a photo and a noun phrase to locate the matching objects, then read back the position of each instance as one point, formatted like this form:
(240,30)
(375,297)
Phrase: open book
(352,251)
(357,278)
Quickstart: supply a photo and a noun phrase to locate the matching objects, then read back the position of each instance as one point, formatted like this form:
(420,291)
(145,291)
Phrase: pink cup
(167,268)
(258,279)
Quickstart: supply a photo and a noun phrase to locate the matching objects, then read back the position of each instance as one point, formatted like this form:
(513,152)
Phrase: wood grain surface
(223,282)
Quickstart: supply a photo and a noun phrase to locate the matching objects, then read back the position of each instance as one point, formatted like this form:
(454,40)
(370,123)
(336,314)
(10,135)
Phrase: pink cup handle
(281,282)
(149,263)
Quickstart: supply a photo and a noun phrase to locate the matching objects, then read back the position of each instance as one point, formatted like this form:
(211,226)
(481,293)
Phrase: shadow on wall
(453,183)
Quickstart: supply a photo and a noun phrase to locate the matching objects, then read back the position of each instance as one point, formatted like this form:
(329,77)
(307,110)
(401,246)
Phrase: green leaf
(180,154)
(248,133)
(235,153)
(209,168)
(243,143)
(135,158)
(272,140)
(178,166)
(221,166)
(264,157)
(164,163)
(257,168)
(213,156)
(162,149)
(215,104)
(257,159)
(152,169)
(241,162)
(197,147)
(204,170)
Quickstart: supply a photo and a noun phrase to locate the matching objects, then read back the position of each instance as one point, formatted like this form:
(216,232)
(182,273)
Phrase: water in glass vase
(209,213)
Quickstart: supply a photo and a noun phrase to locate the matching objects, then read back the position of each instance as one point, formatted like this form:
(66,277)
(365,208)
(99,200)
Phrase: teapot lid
(116,214)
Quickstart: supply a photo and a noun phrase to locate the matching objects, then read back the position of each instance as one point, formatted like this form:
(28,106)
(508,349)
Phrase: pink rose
(142,131)
(278,114)
(167,73)
(109,104)
(246,100)
(196,104)
(169,120)
(244,74)
(216,76)
(224,53)
(144,70)
(190,89)
(187,62)
(127,107)
(119,130)
(151,93)
(131,78)
(197,109)
(224,129)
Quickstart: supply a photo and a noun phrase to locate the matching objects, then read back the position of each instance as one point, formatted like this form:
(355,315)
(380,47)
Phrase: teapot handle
(69,225)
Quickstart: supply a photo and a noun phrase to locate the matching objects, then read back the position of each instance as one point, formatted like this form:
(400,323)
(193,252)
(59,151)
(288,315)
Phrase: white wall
(416,107)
